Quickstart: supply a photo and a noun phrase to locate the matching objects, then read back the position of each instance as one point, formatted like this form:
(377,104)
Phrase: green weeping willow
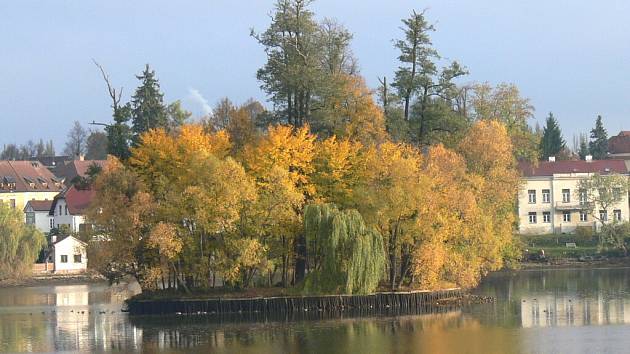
(344,254)
(20,244)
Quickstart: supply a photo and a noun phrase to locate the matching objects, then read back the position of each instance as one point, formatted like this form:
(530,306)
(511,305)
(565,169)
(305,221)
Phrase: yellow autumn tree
(340,168)
(394,191)
(198,187)
(350,112)
(446,252)
(281,162)
(467,228)
(487,149)
(121,213)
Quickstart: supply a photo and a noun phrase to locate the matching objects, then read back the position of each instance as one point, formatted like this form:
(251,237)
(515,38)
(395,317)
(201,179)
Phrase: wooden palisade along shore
(404,302)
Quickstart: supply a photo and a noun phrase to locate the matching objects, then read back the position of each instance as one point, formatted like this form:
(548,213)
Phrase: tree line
(330,191)
(553,144)
(80,142)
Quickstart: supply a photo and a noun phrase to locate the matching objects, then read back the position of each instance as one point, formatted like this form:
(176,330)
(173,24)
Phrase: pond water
(542,311)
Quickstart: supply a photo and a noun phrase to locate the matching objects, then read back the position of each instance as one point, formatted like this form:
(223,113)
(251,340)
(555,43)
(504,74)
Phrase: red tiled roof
(619,144)
(74,168)
(20,171)
(77,200)
(39,205)
(548,168)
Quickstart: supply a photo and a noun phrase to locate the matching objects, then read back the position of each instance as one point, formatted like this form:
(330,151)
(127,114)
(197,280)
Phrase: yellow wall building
(21,181)
(548,201)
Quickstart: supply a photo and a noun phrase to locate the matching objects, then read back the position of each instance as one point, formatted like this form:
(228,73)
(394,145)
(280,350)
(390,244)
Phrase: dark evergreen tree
(96,146)
(598,145)
(147,106)
(119,133)
(551,143)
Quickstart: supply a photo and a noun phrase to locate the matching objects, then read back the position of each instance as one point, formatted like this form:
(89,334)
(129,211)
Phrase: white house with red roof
(547,202)
(69,207)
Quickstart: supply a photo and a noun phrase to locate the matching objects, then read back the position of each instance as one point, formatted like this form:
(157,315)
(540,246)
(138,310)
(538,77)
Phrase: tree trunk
(300,258)
(392,257)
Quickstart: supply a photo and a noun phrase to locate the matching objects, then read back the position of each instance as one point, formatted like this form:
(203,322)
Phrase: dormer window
(8,182)
(43,182)
(29,181)
(57,182)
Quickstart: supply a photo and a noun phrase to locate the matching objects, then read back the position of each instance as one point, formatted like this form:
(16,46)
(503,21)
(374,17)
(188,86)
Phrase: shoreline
(569,263)
(53,279)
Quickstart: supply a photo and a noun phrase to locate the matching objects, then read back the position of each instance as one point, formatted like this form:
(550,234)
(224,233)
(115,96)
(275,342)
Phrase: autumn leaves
(189,210)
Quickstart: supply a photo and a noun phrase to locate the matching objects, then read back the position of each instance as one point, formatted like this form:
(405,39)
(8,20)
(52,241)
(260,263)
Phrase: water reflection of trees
(431,333)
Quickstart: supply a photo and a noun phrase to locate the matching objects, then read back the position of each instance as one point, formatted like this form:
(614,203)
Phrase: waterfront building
(37,213)
(68,255)
(22,181)
(548,200)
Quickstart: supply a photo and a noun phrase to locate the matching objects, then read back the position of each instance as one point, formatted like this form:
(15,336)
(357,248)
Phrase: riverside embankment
(414,301)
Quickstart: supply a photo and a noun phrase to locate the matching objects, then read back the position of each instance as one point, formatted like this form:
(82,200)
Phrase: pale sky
(568,57)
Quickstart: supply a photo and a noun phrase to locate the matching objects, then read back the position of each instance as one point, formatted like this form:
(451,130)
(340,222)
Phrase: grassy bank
(573,249)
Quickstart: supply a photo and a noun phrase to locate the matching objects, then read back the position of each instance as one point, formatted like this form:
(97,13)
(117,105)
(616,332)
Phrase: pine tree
(551,143)
(147,106)
(598,145)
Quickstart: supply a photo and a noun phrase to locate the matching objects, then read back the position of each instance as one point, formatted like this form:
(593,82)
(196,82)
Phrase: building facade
(69,207)
(37,213)
(22,181)
(69,255)
(549,201)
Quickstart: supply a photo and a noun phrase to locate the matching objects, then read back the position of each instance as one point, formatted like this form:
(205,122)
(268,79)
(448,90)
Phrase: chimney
(53,238)
(588,158)
(552,159)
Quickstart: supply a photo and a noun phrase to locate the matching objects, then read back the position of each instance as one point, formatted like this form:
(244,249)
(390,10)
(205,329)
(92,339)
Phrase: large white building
(548,201)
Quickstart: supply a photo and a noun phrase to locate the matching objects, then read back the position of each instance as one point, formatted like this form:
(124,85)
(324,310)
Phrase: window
(617,215)
(531,196)
(583,216)
(546,195)
(77,258)
(60,210)
(566,216)
(583,197)
(603,215)
(532,218)
(66,209)
(64,258)
(12,203)
(546,217)
(616,193)
(30,218)
(52,223)
(566,195)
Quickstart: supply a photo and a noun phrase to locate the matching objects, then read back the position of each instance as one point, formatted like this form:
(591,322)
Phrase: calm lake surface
(549,311)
